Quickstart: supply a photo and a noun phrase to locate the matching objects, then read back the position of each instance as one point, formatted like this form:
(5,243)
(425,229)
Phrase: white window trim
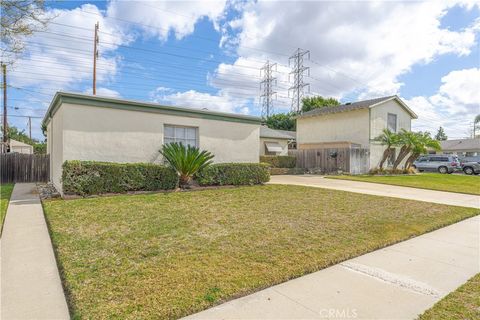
(197,129)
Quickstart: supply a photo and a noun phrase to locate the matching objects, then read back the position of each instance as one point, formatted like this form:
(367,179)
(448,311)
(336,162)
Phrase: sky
(208,54)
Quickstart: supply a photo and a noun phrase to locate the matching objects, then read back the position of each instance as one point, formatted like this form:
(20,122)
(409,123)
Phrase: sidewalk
(30,282)
(441,197)
(397,282)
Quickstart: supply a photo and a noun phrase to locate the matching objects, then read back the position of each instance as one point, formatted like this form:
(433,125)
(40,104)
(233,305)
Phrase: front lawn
(463,303)
(168,255)
(435,181)
(5,193)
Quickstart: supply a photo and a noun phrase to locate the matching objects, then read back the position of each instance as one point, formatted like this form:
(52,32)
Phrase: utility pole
(5,125)
(298,71)
(30,127)
(95,56)
(266,88)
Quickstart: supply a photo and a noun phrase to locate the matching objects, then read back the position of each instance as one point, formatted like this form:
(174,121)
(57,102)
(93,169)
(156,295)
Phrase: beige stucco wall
(350,126)
(282,142)
(353,126)
(55,140)
(20,147)
(115,135)
(379,116)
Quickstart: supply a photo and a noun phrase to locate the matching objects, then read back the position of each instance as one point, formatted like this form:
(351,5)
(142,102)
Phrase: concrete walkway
(30,282)
(450,198)
(397,282)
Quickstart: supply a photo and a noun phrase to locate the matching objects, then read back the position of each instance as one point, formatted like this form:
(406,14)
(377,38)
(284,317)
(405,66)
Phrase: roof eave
(76,98)
(403,104)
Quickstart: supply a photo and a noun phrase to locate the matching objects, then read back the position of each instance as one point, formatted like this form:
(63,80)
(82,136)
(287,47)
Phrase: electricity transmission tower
(266,88)
(298,71)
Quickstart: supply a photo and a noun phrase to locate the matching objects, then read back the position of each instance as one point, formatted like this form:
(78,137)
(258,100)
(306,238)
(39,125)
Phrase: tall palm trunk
(386,154)
(404,151)
(410,160)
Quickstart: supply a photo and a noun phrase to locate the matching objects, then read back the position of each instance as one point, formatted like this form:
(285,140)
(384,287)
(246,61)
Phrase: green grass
(464,303)
(168,255)
(434,181)
(5,192)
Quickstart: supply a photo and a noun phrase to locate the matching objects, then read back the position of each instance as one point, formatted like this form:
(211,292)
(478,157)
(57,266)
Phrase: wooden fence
(332,160)
(17,167)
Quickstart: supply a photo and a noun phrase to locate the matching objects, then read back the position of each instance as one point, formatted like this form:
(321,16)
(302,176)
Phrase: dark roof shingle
(344,107)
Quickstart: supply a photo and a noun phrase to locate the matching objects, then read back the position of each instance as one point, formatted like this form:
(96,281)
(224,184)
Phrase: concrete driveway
(441,197)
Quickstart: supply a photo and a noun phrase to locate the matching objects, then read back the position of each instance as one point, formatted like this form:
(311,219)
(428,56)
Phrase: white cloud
(159,18)
(105,92)
(454,106)
(55,61)
(360,47)
(201,100)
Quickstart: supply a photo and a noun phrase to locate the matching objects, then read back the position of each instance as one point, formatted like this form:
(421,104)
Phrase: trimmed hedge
(92,177)
(279,161)
(234,174)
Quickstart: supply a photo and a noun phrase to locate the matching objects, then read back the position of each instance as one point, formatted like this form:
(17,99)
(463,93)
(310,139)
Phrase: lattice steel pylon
(266,88)
(298,71)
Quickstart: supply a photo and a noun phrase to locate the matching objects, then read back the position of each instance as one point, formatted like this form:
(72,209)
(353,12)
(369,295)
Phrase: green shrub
(279,161)
(92,177)
(234,174)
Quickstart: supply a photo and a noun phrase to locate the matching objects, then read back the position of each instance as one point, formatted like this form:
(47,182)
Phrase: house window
(181,134)
(392,122)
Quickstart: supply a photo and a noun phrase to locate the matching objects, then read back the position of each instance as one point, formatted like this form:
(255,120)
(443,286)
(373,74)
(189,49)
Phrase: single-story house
(86,127)
(275,142)
(353,125)
(20,147)
(461,147)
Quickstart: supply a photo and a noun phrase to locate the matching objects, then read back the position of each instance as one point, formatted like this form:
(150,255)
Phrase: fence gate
(332,160)
(17,167)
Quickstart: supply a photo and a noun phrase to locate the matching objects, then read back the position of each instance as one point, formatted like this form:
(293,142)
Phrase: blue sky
(208,55)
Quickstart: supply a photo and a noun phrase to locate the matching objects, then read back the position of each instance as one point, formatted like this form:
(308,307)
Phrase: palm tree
(388,139)
(186,161)
(407,140)
(423,142)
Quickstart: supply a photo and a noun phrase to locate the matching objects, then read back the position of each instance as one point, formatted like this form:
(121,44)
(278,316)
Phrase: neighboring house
(20,147)
(461,147)
(353,125)
(275,142)
(86,127)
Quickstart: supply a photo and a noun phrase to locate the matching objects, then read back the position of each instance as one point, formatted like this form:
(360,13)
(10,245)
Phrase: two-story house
(353,125)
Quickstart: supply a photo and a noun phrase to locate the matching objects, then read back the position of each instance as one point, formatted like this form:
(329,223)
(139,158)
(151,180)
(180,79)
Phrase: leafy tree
(15,134)
(440,136)
(390,140)
(186,160)
(282,121)
(423,142)
(20,18)
(40,148)
(310,103)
